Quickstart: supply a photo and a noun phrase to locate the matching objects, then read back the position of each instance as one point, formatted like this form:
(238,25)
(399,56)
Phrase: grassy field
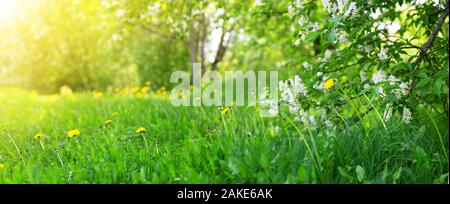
(202,145)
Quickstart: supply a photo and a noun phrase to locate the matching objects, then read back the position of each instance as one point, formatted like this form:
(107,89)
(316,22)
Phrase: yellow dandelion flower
(329,83)
(180,94)
(73,133)
(115,114)
(162,91)
(97,94)
(2,166)
(108,122)
(39,136)
(135,89)
(144,90)
(140,130)
(225,110)
(148,83)
(124,91)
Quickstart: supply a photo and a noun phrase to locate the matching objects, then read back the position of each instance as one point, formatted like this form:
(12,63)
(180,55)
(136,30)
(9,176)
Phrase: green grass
(198,145)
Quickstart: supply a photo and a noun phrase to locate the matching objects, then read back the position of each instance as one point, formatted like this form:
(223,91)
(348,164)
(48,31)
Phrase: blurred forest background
(100,44)
(90,45)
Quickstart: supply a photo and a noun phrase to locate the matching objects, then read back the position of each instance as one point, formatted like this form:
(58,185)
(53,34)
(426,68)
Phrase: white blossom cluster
(378,77)
(403,87)
(306,119)
(383,54)
(290,91)
(307,66)
(340,7)
(297,4)
(387,112)
(342,38)
(407,117)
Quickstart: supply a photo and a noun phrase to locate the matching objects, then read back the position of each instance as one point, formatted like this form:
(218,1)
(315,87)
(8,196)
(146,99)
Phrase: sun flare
(8,10)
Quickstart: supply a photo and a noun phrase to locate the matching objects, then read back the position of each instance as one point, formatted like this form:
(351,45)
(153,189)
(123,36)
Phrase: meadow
(203,145)
(362,86)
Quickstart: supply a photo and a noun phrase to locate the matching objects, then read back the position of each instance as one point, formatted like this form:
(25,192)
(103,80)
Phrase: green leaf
(331,37)
(360,173)
(397,175)
(437,87)
(344,173)
(312,36)
(423,82)
(442,179)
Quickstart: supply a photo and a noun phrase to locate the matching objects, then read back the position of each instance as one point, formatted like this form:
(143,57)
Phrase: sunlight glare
(8,10)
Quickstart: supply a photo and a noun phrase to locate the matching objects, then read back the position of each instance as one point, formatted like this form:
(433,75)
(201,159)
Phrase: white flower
(404,87)
(362,75)
(327,54)
(318,86)
(380,91)
(299,87)
(286,93)
(331,8)
(351,10)
(293,108)
(297,42)
(383,54)
(312,122)
(406,115)
(273,111)
(366,86)
(306,66)
(277,129)
(398,93)
(120,13)
(115,37)
(375,14)
(387,113)
(291,10)
(341,4)
(368,48)
(378,77)
(392,79)
(299,3)
(326,4)
(301,21)
(290,91)
(342,38)
(302,35)
(319,74)
(315,27)
(328,123)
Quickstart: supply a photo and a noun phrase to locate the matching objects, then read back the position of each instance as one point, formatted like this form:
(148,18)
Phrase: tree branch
(427,45)
(222,48)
